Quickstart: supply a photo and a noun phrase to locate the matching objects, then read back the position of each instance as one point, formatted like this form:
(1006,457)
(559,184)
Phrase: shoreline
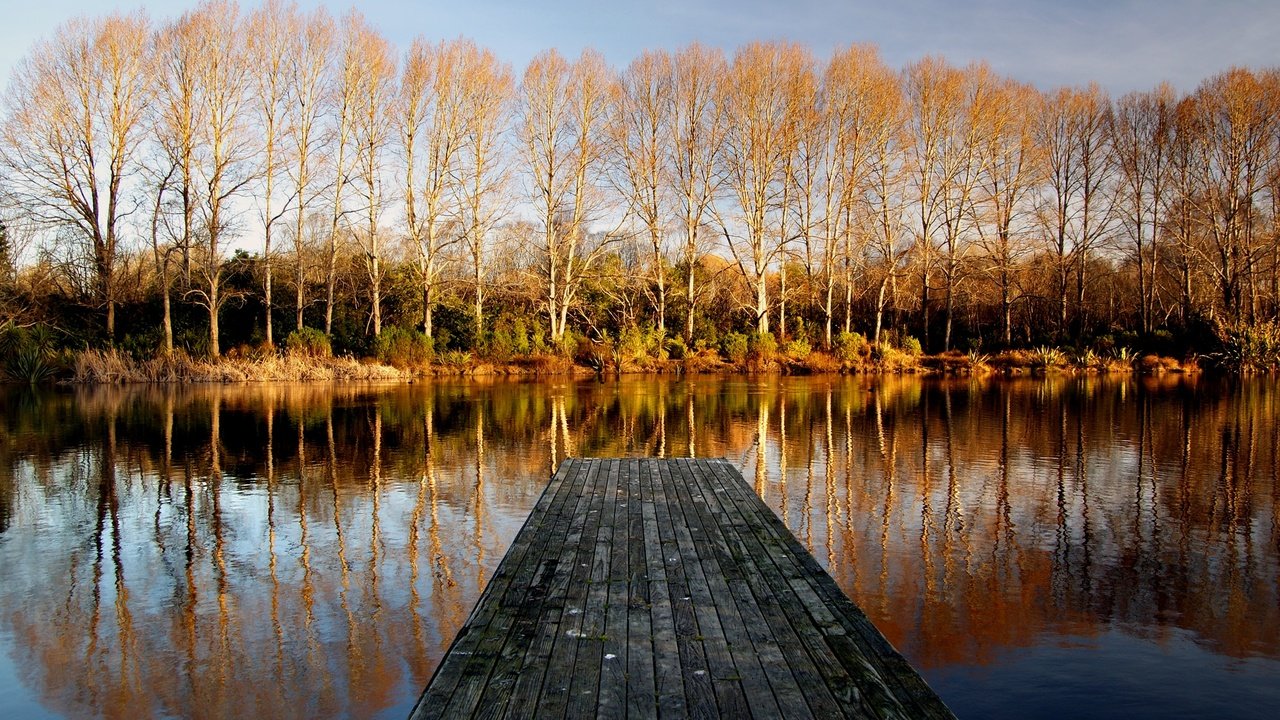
(99,367)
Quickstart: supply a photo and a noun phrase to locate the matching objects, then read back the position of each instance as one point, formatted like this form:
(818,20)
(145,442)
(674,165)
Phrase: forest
(246,183)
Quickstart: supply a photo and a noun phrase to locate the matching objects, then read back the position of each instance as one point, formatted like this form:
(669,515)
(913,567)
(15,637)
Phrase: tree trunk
(478,276)
(690,298)
(376,291)
(884,284)
(924,309)
(762,304)
(111,322)
(1005,309)
(214,350)
(782,304)
(828,307)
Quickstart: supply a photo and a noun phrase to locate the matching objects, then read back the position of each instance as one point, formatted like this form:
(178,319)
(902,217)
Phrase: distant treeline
(227,179)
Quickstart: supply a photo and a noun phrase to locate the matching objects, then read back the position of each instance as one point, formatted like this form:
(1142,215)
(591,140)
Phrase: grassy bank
(112,367)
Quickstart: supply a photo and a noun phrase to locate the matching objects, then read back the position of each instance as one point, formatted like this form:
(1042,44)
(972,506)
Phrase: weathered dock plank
(647,588)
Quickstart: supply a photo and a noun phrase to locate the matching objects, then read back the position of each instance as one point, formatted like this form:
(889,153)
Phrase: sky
(1123,45)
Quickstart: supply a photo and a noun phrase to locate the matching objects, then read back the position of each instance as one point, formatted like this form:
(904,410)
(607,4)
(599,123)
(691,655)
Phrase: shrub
(401,347)
(851,346)
(31,365)
(510,338)
(569,344)
(308,342)
(909,345)
(761,347)
(1048,357)
(734,347)
(1245,347)
(1088,360)
(455,358)
(797,349)
(675,348)
(632,343)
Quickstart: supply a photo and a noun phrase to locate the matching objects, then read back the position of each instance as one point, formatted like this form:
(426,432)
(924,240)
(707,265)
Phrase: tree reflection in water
(312,550)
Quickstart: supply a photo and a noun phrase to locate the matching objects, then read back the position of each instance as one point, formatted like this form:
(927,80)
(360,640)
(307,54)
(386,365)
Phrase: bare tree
(638,134)
(945,103)
(481,176)
(1077,201)
(1235,120)
(754,162)
(269,32)
(74,120)
(563,108)
(430,128)
(375,75)
(223,73)
(1074,202)
(866,110)
(697,127)
(862,120)
(1007,156)
(311,46)
(1139,134)
(345,100)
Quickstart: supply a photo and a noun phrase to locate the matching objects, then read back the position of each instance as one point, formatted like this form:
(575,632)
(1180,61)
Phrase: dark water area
(1061,547)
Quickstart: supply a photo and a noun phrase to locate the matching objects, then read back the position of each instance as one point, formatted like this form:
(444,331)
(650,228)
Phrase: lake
(1036,547)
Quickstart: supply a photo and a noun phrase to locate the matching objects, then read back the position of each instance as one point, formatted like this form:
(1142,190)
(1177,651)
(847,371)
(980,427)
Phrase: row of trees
(806,196)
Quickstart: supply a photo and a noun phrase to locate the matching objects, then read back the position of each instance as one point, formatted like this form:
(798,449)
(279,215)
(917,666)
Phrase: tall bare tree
(1007,156)
(269,32)
(223,163)
(563,109)
(1074,202)
(945,103)
(865,106)
(430,128)
(696,139)
(310,57)
(74,120)
(1076,199)
(1235,119)
(638,134)
(375,78)
(344,111)
(176,124)
(482,169)
(1139,137)
(756,153)
(862,119)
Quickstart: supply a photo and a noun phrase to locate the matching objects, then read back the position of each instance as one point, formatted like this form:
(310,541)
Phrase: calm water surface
(1037,548)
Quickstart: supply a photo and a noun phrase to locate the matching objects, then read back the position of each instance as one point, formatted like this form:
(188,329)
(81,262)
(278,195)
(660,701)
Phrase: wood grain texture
(645,588)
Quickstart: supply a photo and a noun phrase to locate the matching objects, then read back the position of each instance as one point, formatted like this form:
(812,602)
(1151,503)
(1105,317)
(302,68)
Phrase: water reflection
(311,551)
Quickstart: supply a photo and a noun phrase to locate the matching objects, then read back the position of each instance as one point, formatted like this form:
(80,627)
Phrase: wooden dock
(648,588)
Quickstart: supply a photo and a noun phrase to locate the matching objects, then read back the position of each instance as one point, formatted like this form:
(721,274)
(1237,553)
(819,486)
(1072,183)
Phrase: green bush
(798,349)
(31,365)
(676,349)
(570,343)
(909,345)
(851,346)
(141,346)
(762,346)
(403,347)
(510,338)
(734,347)
(1047,357)
(633,343)
(308,342)
(455,358)
(1244,347)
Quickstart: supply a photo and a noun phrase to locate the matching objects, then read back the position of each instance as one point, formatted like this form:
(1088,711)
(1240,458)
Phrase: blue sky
(1122,44)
